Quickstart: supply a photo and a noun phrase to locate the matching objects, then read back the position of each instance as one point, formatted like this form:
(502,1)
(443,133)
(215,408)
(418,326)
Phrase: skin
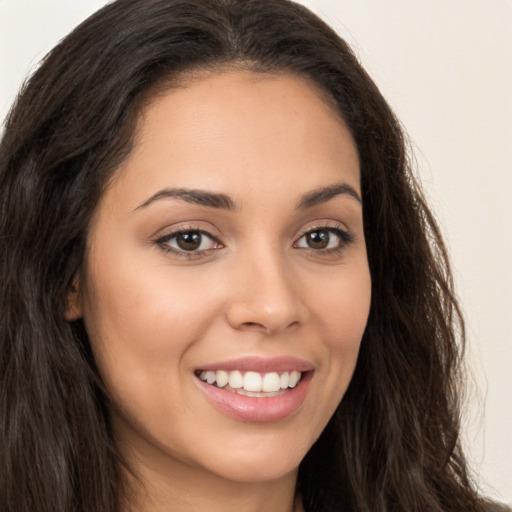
(256,288)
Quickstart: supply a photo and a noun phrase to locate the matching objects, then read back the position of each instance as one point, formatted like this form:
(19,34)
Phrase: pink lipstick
(256,389)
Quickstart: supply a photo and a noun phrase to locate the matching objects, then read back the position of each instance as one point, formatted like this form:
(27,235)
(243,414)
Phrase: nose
(266,296)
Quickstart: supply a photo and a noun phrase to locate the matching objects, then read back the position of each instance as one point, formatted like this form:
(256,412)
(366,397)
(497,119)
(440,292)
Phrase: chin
(249,470)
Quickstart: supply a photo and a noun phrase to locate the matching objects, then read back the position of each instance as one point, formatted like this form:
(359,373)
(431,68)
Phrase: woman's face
(229,246)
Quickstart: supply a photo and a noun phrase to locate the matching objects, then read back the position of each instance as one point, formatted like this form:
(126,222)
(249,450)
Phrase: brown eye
(318,239)
(189,240)
(324,239)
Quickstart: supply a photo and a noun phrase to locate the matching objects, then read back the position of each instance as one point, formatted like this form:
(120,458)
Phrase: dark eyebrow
(322,195)
(200,197)
(222,201)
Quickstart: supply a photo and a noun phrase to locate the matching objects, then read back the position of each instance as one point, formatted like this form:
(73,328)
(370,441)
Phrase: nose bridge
(266,297)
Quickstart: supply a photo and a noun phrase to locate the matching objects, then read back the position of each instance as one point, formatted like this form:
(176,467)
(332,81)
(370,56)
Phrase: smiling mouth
(251,384)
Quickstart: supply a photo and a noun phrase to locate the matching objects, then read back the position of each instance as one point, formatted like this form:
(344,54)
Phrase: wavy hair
(392,444)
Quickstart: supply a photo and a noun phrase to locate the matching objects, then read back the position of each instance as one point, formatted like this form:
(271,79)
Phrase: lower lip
(258,409)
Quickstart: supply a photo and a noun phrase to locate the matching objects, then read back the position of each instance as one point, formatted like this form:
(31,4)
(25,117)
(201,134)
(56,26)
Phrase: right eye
(188,242)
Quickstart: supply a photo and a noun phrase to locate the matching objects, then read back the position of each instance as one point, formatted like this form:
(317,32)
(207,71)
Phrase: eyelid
(345,235)
(164,236)
(324,225)
(181,227)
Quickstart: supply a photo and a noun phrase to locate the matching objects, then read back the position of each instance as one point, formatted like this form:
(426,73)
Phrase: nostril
(252,324)
(260,326)
(265,312)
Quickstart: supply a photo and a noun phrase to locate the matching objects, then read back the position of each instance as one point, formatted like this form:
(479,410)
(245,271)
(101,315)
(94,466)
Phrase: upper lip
(261,364)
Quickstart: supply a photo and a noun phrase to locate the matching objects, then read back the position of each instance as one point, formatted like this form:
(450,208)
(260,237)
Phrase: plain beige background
(446,68)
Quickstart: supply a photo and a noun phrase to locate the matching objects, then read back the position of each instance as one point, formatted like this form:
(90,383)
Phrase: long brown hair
(392,445)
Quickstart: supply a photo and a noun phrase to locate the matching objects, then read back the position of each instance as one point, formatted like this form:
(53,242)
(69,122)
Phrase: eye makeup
(191,241)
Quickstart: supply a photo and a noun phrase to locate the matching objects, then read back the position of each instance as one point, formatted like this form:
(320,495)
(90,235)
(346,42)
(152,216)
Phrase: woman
(222,287)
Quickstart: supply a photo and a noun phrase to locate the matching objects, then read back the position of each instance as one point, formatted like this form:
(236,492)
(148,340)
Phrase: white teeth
(252,382)
(271,382)
(236,381)
(222,378)
(294,379)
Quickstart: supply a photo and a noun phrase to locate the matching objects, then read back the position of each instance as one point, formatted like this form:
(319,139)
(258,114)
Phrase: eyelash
(163,242)
(345,239)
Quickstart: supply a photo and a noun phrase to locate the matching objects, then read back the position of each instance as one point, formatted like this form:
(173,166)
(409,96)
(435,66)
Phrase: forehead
(240,129)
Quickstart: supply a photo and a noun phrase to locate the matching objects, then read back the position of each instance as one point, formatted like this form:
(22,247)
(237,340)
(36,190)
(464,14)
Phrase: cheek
(127,299)
(341,311)
(141,326)
(141,322)
(343,306)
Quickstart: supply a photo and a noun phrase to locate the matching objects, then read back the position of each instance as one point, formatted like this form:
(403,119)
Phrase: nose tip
(266,301)
(268,321)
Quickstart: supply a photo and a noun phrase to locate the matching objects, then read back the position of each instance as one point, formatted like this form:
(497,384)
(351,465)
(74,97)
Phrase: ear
(74,302)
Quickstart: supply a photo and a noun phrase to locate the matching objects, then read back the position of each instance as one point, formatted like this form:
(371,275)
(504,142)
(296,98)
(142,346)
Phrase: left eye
(189,241)
(321,239)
